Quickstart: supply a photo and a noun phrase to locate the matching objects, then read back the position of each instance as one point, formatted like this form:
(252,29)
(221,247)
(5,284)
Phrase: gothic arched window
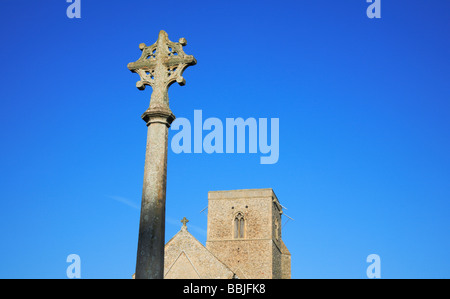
(239,226)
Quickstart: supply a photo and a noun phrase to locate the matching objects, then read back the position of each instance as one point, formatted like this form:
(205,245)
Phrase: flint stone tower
(244,232)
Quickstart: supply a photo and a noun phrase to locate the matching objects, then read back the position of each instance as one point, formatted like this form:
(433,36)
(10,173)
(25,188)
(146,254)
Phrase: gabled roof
(186,257)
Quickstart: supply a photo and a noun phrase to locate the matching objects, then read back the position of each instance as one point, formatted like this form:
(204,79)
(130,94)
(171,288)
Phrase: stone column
(160,65)
(149,263)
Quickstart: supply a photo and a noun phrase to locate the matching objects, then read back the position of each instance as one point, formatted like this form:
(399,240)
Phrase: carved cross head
(160,65)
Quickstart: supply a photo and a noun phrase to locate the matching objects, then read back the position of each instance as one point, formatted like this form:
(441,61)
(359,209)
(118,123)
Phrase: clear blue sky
(364,116)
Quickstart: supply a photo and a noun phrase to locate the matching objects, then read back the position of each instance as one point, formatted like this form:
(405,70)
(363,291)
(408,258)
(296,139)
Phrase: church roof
(186,257)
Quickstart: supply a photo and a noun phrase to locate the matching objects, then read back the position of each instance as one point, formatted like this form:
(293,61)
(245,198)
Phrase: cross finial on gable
(184,221)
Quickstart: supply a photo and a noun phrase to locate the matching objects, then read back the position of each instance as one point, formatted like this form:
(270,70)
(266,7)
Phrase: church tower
(244,233)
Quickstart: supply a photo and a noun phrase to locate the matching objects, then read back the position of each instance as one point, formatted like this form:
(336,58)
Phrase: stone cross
(184,221)
(159,66)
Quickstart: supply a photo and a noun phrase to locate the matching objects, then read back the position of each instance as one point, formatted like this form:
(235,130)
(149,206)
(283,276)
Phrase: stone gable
(186,257)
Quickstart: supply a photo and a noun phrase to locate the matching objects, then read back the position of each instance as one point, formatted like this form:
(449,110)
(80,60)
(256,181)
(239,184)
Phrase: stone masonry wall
(256,255)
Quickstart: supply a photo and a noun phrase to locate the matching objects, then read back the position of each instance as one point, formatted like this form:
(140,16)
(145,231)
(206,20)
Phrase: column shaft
(150,255)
